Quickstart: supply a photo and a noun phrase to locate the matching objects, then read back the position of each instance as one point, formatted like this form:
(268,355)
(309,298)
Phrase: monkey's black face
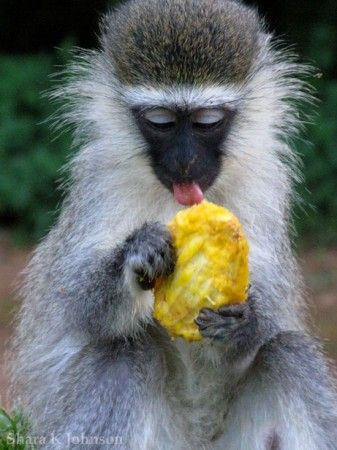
(185,147)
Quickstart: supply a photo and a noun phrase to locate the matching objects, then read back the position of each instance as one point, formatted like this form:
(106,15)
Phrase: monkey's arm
(105,292)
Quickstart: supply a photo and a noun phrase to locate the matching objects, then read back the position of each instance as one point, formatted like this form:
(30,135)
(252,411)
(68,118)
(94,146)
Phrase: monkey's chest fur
(193,388)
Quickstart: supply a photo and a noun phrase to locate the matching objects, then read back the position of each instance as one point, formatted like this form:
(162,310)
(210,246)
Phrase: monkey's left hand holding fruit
(211,271)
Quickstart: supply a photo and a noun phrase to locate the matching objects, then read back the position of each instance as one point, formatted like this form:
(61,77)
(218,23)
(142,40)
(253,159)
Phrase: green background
(35,38)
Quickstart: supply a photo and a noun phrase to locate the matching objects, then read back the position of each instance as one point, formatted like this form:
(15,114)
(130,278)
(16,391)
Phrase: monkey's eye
(206,119)
(160,118)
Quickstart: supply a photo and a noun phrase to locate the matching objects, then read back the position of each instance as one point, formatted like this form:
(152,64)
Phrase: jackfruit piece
(211,270)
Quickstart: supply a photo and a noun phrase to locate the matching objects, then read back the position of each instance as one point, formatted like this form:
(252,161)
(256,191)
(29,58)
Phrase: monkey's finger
(233,310)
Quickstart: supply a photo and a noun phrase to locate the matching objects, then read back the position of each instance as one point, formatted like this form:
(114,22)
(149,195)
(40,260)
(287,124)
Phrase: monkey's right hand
(149,254)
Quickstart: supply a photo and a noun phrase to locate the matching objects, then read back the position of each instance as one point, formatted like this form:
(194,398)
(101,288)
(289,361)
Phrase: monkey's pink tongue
(188,194)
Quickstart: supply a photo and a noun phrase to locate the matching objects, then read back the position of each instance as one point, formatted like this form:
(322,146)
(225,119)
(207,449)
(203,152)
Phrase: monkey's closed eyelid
(208,116)
(160,116)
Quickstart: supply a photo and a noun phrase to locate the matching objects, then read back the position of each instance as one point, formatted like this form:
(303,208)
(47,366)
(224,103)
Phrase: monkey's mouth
(187,191)
(188,194)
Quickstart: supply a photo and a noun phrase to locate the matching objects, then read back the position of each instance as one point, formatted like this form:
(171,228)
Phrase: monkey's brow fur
(89,357)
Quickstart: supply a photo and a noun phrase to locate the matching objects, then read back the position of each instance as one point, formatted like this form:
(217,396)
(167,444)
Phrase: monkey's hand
(235,326)
(149,255)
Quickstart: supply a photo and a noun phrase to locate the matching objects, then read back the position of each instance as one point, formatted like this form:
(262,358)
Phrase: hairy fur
(189,41)
(117,374)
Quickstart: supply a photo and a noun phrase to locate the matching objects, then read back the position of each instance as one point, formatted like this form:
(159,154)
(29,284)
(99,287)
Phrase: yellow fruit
(211,269)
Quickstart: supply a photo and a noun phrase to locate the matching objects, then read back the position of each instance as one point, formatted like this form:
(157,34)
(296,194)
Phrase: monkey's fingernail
(145,283)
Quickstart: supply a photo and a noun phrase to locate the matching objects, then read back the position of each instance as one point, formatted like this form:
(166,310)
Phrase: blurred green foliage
(13,432)
(317,217)
(30,156)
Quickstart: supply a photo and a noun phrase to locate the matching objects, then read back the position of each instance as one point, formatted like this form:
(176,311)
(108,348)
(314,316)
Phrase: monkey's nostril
(185,166)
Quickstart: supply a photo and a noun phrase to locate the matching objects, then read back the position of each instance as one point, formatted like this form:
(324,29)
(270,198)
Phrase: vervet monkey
(183,100)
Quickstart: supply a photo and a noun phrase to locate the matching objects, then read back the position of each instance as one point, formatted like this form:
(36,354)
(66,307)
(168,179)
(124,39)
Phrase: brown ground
(320,271)
(12,261)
